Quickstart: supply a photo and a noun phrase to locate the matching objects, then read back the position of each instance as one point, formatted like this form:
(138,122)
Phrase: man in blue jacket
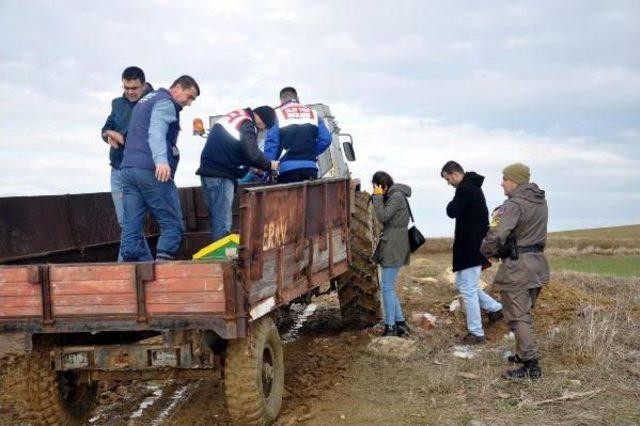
(301,133)
(150,161)
(114,131)
(231,149)
(469,209)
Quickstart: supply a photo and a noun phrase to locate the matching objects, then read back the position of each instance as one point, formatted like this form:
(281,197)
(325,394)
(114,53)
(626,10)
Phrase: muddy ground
(588,329)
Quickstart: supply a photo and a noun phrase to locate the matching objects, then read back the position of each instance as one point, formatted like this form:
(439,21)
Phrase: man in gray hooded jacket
(517,235)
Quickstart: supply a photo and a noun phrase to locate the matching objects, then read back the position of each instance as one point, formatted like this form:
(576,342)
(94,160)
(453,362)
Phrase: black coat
(469,209)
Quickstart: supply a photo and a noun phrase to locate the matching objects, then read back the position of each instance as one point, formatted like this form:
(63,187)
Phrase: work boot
(402,328)
(390,330)
(530,369)
(472,339)
(514,359)
(495,316)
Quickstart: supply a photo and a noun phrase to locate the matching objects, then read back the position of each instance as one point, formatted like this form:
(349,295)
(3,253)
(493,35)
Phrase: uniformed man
(517,235)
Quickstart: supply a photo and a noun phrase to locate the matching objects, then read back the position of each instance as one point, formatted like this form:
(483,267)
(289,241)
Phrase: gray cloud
(553,84)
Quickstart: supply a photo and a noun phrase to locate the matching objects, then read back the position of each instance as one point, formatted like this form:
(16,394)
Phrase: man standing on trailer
(231,149)
(150,161)
(115,129)
(301,133)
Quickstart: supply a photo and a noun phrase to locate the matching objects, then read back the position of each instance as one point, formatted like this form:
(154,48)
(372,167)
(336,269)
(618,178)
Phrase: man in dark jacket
(231,149)
(301,133)
(115,129)
(150,161)
(469,209)
(517,235)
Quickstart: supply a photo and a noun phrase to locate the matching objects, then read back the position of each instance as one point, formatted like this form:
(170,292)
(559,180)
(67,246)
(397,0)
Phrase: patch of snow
(175,398)
(292,334)
(147,402)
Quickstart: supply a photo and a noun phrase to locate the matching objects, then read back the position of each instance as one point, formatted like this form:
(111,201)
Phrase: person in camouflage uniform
(517,235)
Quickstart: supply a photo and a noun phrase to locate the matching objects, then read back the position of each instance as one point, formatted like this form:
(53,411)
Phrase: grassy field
(622,266)
(615,232)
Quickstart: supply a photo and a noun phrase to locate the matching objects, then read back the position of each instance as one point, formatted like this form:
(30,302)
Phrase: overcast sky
(554,84)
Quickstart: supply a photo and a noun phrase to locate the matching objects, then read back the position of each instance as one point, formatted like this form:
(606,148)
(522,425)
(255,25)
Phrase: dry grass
(588,329)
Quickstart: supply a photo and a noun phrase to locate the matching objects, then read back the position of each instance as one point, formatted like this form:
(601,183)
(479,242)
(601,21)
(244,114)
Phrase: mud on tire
(358,288)
(51,397)
(254,375)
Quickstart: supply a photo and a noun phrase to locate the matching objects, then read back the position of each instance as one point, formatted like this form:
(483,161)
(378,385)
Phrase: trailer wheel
(254,375)
(56,397)
(358,288)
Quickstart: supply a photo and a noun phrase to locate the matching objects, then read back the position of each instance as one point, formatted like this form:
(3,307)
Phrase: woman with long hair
(392,210)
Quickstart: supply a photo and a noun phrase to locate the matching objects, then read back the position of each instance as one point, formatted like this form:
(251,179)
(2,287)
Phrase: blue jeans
(117,197)
(142,192)
(390,301)
(218,194)
(474,298)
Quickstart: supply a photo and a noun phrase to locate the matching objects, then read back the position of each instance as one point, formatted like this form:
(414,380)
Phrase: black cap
(267,115)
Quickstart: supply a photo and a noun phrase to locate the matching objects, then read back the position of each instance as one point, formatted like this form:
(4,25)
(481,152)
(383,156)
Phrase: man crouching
(517,235)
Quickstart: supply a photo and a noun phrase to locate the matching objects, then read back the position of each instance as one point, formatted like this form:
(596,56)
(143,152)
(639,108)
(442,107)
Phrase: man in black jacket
(231,149)
(469,209)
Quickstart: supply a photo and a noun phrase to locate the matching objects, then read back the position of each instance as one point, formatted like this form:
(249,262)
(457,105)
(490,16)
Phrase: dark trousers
(516,307)
(298,175)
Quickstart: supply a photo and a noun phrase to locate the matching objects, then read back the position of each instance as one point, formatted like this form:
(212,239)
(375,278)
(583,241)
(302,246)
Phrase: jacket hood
(405,189)
(529,192)
(472,178)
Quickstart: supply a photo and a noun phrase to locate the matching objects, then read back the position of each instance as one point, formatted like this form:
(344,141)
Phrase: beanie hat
(517,172)
(267,115)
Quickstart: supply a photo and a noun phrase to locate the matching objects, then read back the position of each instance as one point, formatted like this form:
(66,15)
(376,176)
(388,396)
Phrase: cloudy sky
(553,84)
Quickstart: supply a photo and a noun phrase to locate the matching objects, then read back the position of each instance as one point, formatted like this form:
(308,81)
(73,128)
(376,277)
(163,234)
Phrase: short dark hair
(288,93)
(133,73)
(383,179)
(186,82)
(451,167)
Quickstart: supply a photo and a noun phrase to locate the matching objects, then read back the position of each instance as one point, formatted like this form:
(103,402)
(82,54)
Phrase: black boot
(494,317)
(402,328)
(514,359)
(530,369)
(390,330)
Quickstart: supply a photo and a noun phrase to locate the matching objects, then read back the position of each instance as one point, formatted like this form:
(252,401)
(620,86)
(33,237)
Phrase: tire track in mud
(317,353)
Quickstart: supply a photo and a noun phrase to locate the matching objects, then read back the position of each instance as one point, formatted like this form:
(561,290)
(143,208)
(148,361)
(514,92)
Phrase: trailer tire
(254,375)
(358,288)
(53,397)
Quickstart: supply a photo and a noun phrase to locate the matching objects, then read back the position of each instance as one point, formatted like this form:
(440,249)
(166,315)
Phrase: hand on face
(378,190)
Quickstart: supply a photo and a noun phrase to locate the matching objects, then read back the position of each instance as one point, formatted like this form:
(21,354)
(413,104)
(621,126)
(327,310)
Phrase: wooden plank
(23,311)
(19,301)
(185,298)
(21,288)
(92,310)
(92,272)
(175,285)
(93,299)
(188,270)
(165,308)
(13,274)
(108,286)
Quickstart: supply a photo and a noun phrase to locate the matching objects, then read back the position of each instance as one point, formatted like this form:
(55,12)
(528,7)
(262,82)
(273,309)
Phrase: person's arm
(503,221)
(272,142)
(323,141)
(163,114)
(383,212)
(459,204)
(110,124)
(249,143)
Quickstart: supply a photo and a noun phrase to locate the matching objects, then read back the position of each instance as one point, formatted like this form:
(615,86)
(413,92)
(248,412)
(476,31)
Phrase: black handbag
(416,239)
